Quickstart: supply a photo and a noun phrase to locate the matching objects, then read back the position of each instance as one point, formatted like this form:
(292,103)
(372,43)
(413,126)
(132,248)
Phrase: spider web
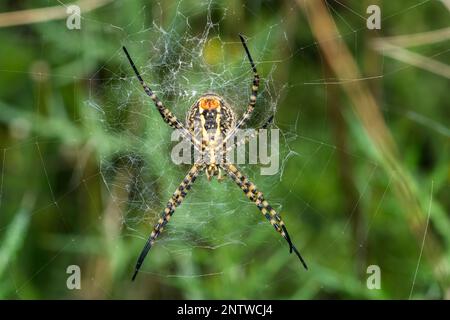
(180,65)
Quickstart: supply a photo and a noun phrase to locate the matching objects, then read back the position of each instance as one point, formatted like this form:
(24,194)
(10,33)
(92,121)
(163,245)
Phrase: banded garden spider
(211,120)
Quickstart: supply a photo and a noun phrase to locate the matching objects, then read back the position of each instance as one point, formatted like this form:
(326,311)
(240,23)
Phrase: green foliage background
(338,202)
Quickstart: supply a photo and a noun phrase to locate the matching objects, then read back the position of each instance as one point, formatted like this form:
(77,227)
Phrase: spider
(210,123)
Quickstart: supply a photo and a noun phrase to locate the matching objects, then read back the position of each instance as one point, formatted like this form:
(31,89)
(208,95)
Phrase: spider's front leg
(168,117)
(258,198)
(255,87)
(165,113)
(176,199)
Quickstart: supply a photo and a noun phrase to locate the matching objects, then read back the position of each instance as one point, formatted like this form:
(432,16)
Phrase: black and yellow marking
(176,199)
(269,213)
(168,117)
(255,86)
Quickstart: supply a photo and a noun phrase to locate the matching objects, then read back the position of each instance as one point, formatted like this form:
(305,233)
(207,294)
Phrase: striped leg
(258,198)
(255,87)
(176,199)
(252,102)
(168,117)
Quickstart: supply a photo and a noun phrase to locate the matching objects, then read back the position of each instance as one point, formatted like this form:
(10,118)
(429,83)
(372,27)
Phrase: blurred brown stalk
(367,110)
(386,48)
(16,18)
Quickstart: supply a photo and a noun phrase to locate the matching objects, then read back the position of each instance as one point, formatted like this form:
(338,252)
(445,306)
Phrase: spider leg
(168,117)
(258,198)
(176,199)
(255,86)
(166,114)
(252,102)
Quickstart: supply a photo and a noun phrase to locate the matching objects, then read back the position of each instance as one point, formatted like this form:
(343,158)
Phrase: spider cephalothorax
(211,127)
(212,114)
